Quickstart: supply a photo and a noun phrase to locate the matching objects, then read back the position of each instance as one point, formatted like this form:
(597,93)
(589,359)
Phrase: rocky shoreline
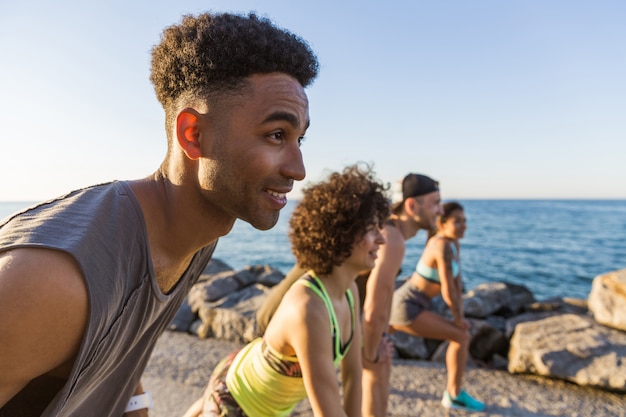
(581,341)
(181,364)
(528,358)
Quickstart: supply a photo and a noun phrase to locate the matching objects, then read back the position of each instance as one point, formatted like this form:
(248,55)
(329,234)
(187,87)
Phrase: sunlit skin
(429,207)
(454,227)
(256,151)
(302,317)
(449,232)
(418,213)
(365,251)
(428,324)
(303,340)
(237,161)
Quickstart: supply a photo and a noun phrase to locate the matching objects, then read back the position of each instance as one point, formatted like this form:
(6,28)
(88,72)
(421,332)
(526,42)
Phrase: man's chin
(263,222)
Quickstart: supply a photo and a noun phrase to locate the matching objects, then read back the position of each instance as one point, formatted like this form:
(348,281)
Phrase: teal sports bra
(431,274)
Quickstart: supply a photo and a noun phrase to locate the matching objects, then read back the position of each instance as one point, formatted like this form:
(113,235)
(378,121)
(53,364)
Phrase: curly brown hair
(209,55)
(335,214)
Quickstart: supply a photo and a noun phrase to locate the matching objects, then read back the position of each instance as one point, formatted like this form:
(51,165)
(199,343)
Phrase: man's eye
(300,140)
(277,135)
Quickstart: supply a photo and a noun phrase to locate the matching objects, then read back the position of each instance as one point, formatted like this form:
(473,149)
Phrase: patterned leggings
(218,402)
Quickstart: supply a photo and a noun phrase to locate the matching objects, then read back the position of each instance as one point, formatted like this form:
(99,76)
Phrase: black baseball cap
(414,185)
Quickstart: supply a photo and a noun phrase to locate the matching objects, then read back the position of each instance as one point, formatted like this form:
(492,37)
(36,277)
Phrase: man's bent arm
(380,288)
(43,313)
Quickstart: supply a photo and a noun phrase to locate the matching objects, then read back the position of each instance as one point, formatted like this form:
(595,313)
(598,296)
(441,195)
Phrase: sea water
(553,247)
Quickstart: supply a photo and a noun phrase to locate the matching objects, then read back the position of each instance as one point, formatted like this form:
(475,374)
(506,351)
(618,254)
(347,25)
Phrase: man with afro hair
(88,281)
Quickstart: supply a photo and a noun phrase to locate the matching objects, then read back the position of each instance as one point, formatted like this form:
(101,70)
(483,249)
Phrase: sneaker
(463,401)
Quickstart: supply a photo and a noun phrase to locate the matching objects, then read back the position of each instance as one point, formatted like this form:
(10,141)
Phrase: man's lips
(277,194)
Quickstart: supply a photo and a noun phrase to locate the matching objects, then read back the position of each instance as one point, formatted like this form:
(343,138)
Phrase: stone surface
(486,341)
(408,346)
(607,299)
(513,322)
(181,364)
(570,347)
(216,287)
(491,297)
(224,302)
(234,318)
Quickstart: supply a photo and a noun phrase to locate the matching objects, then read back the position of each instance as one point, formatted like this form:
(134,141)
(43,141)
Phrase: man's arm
(380,287)
(43,314)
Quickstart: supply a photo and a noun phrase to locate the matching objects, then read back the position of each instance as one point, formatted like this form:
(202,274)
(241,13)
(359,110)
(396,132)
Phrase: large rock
(555,338)
(513,322)
(485,342)
(219,281)
(262,274)
(233,318)
(223,303)
(413,347)
(570,347)
(607,299)
(544,309)
(188,312)
(503,298)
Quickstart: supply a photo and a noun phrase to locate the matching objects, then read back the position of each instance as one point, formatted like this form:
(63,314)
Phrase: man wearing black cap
(415,205)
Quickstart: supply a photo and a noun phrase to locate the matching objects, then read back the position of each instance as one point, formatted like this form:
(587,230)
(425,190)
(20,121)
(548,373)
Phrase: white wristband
(137,402)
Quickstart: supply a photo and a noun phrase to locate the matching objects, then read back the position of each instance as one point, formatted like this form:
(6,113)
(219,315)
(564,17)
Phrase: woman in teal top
(438,272)
(335,232)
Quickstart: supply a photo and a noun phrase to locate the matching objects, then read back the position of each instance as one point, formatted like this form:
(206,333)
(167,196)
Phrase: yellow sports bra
(267,383)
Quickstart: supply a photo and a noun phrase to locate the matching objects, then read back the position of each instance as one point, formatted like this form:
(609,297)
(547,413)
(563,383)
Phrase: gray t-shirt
(103,228)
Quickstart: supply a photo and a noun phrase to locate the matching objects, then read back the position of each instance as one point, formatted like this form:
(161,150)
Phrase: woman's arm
(351,368)
(305,328)
(450,291)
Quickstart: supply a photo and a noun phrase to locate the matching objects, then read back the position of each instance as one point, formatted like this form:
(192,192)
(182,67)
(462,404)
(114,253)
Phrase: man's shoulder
(393,237)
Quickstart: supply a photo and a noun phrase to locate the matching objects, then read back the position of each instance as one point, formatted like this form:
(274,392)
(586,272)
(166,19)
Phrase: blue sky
(495,99)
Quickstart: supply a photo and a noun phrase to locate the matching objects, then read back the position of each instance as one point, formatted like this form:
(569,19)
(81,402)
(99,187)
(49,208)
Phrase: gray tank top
(103,228)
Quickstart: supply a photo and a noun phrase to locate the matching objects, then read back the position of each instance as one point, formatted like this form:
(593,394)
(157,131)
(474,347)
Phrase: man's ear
(188,132)
(411,205)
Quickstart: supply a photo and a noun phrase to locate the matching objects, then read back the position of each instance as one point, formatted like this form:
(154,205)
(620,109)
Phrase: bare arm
(302,324)
(351,369)
(43,313)
(450,290)
(380,287)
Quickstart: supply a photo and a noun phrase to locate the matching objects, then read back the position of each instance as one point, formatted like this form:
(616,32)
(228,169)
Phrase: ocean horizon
(554,247)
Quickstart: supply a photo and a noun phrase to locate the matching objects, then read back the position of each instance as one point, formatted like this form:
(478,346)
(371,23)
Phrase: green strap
(316,285)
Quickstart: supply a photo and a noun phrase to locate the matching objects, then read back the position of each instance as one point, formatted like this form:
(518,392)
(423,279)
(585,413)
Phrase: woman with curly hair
(335,233)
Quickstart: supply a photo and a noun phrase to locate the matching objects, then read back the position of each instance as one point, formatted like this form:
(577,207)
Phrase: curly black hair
(212,54)
(334,214)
